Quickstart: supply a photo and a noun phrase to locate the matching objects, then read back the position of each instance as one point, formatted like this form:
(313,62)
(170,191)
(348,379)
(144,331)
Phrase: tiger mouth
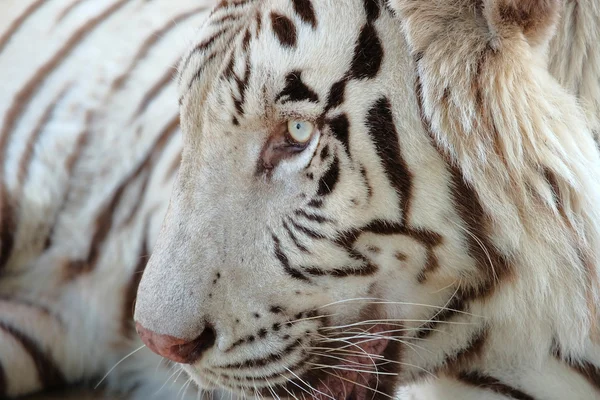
(359,365)
(359,375)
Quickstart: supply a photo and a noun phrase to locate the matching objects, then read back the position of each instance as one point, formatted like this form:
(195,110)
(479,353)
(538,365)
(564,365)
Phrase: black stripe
(296,90)
(487,382)
(305,11)
(48,372)
(340,128)
(329,179)
(312,217)
(364,270)
(242,86)
(336,94)
(371,9)
(284,29)
(299,245)
(204,45)
(285,262)
(306,231)
(383,132)
(589,372)
(8,225)
(3,383)
(316,203)
(368,54)
(261,362)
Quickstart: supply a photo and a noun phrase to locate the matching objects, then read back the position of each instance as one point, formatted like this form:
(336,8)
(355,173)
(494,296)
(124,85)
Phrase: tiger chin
(380,197)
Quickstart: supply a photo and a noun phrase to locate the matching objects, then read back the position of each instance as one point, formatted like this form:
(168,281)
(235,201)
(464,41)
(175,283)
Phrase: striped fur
(452,178)
(89,143)
(449,176)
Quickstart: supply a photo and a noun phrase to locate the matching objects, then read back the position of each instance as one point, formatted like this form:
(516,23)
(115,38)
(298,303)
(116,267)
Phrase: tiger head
(367,188)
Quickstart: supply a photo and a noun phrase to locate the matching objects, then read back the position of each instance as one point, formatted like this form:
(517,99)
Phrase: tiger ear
(535,19)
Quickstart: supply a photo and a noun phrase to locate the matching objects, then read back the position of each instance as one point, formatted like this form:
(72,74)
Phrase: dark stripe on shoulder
(48,372)
(105,219)
(8,225)
(18,22)
(24,164)
(383,132)
(490,383)
(3,383)
(284,29)
(305,11)
(494,265)
(296,90)
(15,111)
(452,309)
(127,325)
(70,163)
(285,262)
(588,370)
(467,355)
(67,10)
(155,89)
(368,54)
(152,39)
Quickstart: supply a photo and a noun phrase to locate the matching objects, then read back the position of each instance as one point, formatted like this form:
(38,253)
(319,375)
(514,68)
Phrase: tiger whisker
(270,387)
(410,345)
(290,393)
(311,318)
(376,300)
(301,388)
(341,368)
(183,390)
(169,378)
(358,384)
(339,358)
(304,382)
(117,364)
(385,321)
(482,246)
(332,350)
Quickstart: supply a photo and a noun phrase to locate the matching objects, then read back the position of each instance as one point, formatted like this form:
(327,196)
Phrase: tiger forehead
(280,65)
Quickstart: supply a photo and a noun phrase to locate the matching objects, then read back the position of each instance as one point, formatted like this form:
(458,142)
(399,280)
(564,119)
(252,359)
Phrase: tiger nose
(179,350)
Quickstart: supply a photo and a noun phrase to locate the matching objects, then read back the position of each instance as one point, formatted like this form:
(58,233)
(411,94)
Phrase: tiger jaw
(356,363)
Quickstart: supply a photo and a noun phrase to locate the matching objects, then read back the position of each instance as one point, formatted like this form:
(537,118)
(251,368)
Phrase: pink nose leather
(175,349)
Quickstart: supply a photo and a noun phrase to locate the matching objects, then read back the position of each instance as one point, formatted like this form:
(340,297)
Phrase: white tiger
(374,198)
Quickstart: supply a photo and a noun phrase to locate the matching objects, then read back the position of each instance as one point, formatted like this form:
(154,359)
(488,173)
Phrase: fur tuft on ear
(536,19)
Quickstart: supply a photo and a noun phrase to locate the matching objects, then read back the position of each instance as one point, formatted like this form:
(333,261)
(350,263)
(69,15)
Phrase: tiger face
(316,234)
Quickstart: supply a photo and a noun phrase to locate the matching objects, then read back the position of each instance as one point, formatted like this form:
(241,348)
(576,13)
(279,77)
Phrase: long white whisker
(375,300)
(321,366)
(117,364)
(312,388)
(358,384)
(311,318)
